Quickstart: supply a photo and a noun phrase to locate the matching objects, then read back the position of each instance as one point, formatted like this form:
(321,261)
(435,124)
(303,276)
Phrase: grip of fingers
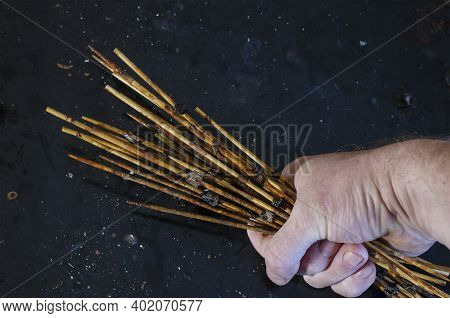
(349,259)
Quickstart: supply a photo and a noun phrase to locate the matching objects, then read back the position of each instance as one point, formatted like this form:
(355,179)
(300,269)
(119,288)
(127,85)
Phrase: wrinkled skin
(398,192)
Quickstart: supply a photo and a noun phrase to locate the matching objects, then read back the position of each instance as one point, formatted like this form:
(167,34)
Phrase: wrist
(409,177)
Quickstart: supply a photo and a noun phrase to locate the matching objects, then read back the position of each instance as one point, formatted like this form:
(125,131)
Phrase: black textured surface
(243,61)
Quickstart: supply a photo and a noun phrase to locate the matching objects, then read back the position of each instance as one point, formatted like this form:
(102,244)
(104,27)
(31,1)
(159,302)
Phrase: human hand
(343,200)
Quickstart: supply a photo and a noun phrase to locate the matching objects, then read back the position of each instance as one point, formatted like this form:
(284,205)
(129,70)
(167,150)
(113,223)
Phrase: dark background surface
(243,61)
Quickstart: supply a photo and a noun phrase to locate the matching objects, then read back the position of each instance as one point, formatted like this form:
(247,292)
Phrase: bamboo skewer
(412,261)
(199,217)
(157,187)
(113,141)
(130,137)
(116,141)
(190,190)
(173,131)
(444,270)
(138,88)
(188,123)
(251,198)
(185,119)
(144,77)
(242,148)
(405,273)
(233,140)
(96,142)
(206,185)
(183,187)
(188,162)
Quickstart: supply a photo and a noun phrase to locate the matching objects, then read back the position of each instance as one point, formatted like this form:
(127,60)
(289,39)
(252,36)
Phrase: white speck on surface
(131,239)
(362,43)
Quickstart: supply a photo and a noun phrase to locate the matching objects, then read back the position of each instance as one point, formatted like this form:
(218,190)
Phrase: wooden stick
(120,143)
(100,57)
(246,195)
(145,93)
(387,264)
(140,121)
(185,187)
(411,289)
(173,131)
(200,217)
(379,284)
(128,135)
(86,138)
(411,261)
(144,77)
(233,140)
(184,119)
(193,191)
(160,188)
(138,88)
(445,270)
(106,126)
(98,143)
(245,151)
(238,201)
(129,147)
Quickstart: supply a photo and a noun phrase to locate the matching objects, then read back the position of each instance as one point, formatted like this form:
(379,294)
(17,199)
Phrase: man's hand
(399,192)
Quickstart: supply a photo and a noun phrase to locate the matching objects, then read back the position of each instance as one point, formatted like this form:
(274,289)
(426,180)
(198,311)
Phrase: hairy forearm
(414,181)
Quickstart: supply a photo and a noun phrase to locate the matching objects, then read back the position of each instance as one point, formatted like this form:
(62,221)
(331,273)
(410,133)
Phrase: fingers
(344,267)
(358,283)
(349,259)
(283,250)
(348,275)
(318,257)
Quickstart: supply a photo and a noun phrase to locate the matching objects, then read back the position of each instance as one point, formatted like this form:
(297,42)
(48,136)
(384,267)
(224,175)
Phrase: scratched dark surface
(243,61)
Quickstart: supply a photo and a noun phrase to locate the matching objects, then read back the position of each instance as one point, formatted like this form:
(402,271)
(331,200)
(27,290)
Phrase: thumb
(284,250)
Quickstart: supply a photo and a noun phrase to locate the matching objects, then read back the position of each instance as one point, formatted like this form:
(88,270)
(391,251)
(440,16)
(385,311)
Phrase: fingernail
(327,249)
(351,259)
(365,272)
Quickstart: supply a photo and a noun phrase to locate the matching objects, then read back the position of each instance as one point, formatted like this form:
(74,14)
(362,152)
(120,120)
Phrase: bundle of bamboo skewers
(217,173)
